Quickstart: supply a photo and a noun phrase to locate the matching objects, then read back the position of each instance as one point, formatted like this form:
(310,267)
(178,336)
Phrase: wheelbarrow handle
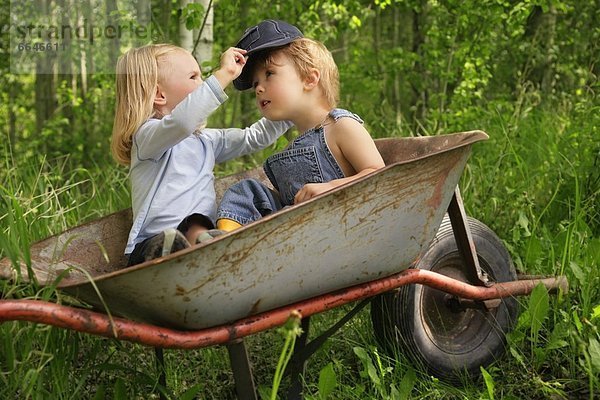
(101,324)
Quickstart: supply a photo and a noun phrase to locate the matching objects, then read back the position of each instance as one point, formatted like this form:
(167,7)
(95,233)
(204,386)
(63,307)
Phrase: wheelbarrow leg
(297,369)
(303,349)
(160,365)
(242,370)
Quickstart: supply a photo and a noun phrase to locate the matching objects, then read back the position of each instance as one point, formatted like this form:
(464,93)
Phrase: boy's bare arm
(357,149)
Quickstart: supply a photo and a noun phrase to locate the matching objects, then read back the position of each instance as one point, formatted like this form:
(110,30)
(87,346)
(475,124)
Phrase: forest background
(526,72)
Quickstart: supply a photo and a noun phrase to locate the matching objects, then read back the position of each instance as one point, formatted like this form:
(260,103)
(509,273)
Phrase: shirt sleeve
(234,142)
(156,136)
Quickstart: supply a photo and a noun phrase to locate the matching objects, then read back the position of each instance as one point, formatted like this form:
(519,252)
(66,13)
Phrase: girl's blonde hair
(137,76)
(308,54)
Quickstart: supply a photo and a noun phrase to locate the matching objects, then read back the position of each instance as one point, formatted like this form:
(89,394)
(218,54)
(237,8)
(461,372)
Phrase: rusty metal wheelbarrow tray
(353,243)
(365,231)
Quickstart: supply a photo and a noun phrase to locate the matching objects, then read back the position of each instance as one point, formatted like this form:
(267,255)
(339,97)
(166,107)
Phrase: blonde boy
(297,81)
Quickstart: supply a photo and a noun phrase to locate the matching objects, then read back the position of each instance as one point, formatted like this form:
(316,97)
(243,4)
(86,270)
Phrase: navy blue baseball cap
(267,34)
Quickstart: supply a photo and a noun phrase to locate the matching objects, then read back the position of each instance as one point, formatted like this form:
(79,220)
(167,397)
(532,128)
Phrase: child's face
(181,77)
(278,88)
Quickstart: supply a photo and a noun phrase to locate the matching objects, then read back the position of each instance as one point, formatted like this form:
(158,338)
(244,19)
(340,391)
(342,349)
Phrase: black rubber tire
(418,321)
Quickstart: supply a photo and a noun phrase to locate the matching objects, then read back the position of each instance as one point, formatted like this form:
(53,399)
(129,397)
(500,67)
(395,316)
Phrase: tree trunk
(186,36)
(549,34)
(45,103)
(64,76)
(540,32)
(143,12)
(396,91)
(419,101)
(376,47)
(247,106)
(144,20)
(87,57)
(164,21)
(12,117)
(114,45)
(203,51)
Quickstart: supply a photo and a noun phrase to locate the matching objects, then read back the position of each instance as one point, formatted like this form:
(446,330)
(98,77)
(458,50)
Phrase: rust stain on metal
(450,161)
(254,308)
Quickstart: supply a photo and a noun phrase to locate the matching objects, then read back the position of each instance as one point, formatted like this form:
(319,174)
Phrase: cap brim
(247,42)
(244,81)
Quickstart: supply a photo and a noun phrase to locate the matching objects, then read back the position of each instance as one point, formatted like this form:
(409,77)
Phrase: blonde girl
(160,132)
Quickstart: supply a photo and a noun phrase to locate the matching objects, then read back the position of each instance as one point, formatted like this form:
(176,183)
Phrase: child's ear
(312,79)
(159,97)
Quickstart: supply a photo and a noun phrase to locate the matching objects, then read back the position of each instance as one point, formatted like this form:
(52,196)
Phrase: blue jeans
(247,201)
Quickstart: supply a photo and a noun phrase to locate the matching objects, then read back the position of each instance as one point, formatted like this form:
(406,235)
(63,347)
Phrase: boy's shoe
(167,242)
(209,235)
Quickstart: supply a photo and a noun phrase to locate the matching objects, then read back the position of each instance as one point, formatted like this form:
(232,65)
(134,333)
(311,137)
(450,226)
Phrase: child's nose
(258,88)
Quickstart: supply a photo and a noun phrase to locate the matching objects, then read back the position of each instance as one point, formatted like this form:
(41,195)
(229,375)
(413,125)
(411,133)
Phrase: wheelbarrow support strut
(464,239)
(242,370)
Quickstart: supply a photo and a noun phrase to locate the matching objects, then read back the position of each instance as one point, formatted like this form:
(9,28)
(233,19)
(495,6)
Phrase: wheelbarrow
(441,285)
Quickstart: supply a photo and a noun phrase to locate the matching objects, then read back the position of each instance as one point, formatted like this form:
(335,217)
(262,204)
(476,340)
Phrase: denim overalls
(306,160)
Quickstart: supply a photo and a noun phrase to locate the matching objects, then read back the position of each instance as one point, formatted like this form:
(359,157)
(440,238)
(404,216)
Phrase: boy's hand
(232,62)
(311,190)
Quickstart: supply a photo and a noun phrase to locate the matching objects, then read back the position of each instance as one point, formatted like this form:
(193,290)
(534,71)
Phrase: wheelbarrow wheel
(450,341)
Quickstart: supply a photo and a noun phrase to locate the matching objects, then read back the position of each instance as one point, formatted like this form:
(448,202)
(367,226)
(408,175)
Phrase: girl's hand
(311,190)
(232,62)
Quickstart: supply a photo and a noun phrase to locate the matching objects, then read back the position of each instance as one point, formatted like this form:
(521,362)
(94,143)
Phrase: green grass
(536,183)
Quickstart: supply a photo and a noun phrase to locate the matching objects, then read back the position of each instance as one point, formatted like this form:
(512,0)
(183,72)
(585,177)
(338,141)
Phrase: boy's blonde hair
(308,54)
(137,76)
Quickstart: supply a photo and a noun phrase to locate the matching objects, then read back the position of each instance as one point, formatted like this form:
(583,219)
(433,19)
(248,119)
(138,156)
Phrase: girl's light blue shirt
(172,162)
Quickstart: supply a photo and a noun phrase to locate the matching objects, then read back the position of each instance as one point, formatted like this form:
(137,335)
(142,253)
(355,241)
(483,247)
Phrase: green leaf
(120,393)
(594,351)
(578,272)
(264,392)
(368,365)
(359,389)
(577,321)
(361,353)
(593,248)
(489,382)
(595,312)
(540,354)
(355,22)
(8,358)
(100,393)
(327,381)
(407,384)
(556,340)
(191,393)
(535,251)
(193,14)
(394,393)
(539,305)
(523,222)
